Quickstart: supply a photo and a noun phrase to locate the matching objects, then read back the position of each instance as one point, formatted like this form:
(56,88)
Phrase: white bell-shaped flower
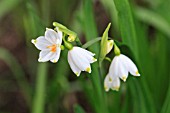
(121,66)
(111,83)
(49,45)
(80,59)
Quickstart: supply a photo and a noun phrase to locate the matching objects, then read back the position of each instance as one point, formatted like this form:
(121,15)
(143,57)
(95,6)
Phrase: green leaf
(39,95)
(78,109)
(7,5)
(18,73)
(129,37)
(153,19)
(91,42)
(126,24)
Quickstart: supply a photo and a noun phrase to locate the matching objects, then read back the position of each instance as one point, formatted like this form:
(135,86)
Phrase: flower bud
(71,38)
(109,45)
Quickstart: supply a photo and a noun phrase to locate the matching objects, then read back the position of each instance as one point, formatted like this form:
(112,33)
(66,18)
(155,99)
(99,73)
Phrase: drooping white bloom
(119,68)
(49,45)
(80,59)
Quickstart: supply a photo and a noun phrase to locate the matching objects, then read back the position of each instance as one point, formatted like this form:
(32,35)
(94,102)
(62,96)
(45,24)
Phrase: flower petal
(45,56)
(84,50)
(51,35)
(79,60)
(107,83)
(113,70)
(122,70)
(57,55)
(131,66)
(60,35)
(88,56)
(74,68)
(115,84)
(41,43)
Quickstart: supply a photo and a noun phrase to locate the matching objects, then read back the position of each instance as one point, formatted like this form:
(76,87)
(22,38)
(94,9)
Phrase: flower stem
(90,32)
(39,97)
(68,45)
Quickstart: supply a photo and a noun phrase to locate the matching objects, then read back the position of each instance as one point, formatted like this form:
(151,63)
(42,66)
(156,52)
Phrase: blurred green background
(142,28)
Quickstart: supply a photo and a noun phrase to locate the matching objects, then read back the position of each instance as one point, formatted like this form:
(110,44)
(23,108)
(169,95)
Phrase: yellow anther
(88,70)
(53,48)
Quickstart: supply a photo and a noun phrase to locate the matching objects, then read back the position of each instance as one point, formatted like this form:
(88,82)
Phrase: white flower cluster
(80,59)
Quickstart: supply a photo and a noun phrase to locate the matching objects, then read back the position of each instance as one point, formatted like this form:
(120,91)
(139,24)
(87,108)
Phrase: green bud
(62,47)
(67,44)
(71,38)
(104,44)
(110,44)
(116,50)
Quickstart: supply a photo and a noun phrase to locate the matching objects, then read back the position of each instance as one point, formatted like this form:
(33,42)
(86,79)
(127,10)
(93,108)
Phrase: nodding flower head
(80,59)
(119,69)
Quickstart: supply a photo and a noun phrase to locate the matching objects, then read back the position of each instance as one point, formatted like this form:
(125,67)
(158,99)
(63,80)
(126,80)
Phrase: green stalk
(34,28)
(165,107)
(91,32)
(39,97)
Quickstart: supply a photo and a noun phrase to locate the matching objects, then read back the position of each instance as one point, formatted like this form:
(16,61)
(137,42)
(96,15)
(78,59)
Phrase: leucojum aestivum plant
(56,40)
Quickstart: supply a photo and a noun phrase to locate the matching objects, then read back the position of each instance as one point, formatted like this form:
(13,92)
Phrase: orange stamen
(53,48)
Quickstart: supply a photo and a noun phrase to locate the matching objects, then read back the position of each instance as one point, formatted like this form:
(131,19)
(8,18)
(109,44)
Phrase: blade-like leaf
(18,72)
(153,19)
(91,42)
(78,109)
